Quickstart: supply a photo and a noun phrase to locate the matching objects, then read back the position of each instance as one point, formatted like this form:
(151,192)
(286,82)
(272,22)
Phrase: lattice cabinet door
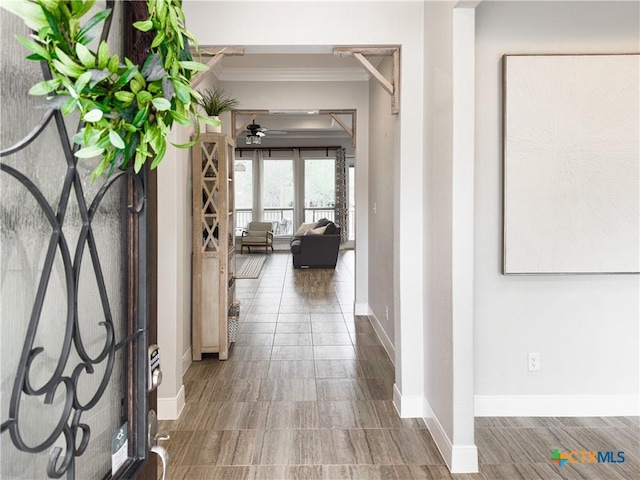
(210,192)
(213,244)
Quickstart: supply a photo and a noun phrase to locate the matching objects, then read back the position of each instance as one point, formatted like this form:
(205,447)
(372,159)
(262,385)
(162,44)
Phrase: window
(277,195)
(286,186)
(319,189)
(243,192)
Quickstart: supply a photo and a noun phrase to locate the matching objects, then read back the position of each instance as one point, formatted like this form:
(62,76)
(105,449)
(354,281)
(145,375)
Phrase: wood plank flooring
(307,394)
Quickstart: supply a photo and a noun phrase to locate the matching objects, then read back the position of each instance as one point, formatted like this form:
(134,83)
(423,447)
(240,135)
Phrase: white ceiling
(270,67)
(287,67)
(290,126)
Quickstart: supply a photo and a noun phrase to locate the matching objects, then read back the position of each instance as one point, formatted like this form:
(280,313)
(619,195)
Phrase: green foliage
(216,101)
(127,111)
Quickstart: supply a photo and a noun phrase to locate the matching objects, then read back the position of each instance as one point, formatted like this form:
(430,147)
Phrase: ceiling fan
(256,130)
(255,133)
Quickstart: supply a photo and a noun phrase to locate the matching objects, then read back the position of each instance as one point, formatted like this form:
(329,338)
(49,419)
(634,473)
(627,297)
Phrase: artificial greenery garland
(127,111)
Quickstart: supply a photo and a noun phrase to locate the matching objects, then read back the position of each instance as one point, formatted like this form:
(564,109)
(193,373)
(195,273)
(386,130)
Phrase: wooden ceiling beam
(371,51)
(212,51)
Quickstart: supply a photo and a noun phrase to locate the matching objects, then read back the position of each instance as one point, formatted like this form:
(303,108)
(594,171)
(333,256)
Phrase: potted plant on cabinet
(214,102)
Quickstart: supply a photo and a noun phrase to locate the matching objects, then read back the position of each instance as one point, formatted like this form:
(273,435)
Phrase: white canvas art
(571,164)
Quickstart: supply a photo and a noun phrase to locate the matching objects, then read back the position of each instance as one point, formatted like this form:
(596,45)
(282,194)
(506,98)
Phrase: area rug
(251,266)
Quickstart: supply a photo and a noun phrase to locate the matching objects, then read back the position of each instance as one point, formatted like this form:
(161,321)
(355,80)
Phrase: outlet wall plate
(533,362)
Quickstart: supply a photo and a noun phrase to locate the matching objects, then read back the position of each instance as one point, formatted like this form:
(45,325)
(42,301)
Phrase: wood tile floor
(307,394)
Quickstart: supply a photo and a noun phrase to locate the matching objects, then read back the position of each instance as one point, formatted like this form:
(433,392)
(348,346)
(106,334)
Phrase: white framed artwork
(571,164)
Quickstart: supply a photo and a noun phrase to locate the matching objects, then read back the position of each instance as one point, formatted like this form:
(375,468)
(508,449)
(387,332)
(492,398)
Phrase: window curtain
(258,179)
(298,189)
(341,209)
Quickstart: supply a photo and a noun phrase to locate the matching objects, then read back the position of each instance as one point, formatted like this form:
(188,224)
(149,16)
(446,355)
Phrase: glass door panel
(319,189)
(72,354)
(243,192)
(277,196)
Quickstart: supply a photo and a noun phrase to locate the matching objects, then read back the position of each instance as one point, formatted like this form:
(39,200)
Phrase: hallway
(306,392)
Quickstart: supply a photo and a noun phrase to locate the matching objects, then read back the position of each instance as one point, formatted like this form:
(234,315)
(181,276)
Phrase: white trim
(171,408)
(407,406)
(285,74)
(438,433)
(397,399)
(361,309)
(384,339)
(464,459)
(462,242)
(459,458)
(556,405)
(186,360)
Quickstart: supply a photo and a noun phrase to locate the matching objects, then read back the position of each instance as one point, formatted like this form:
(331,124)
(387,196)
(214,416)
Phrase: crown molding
(353,74)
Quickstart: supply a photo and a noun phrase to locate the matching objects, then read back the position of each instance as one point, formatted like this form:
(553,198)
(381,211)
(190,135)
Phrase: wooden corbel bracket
(216,54)
(393,86)
(253,114)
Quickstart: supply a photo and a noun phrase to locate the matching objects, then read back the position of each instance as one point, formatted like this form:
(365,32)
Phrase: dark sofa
(317,251)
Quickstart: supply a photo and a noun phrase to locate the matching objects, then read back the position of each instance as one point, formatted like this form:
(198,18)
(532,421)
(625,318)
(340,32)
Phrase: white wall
(438,139)
(584,327)
(383,167)
(174,267)
(174,274)
(448,218)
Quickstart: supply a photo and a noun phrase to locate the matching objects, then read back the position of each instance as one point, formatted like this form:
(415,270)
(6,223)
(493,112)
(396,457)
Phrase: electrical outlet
(534,362)
(386,311)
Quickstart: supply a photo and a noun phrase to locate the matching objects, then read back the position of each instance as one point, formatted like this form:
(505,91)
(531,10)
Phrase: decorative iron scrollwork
(69,428)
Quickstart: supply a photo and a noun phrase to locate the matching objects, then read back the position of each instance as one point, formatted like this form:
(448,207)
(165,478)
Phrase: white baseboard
(361,308)
(171,408)
(459,458)
(384,339)
(464,459)
(186,360)
(556,405)
(397,399)
(408,406)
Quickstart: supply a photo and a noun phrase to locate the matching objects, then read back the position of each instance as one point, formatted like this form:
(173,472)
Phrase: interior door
(75,290)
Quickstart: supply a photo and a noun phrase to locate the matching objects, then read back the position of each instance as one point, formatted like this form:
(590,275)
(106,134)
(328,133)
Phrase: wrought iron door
(73,295)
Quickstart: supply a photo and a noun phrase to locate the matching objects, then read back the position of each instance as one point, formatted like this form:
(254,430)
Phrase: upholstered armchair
(257,234)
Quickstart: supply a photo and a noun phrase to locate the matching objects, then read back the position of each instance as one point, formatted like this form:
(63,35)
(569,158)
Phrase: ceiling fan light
(248,140)
(256,140)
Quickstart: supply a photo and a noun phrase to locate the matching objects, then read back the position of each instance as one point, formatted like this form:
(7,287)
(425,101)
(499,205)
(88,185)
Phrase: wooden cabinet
(214,253)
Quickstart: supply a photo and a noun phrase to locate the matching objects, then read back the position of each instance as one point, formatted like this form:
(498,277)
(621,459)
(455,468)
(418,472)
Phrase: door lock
(155,373)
